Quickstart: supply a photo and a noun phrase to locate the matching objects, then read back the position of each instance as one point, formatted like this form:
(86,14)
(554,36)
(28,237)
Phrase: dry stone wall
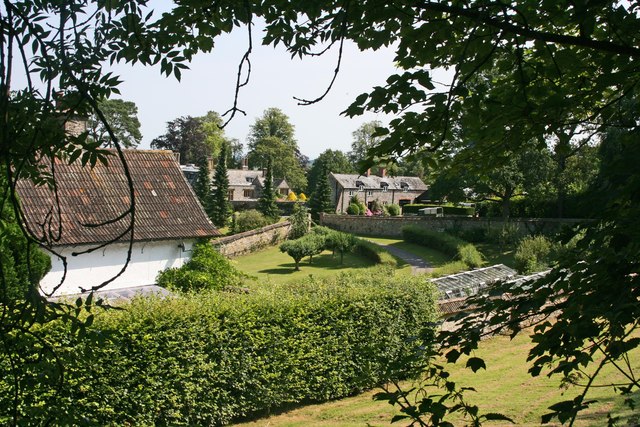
(392,226)
(250,241)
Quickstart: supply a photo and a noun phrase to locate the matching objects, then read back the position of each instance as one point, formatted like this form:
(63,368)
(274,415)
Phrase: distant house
(400,190)
(89,227)
(245,185)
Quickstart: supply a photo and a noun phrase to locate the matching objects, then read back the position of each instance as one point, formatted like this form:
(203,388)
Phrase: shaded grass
(272,265)
(504,387)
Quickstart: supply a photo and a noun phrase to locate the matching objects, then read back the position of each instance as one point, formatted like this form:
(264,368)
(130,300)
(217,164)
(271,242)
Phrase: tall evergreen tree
(220,208)
(267,202)
(202,186)
(321,198)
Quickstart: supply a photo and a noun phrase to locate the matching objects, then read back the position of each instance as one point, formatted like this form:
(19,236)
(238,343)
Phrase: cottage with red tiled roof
(87,221)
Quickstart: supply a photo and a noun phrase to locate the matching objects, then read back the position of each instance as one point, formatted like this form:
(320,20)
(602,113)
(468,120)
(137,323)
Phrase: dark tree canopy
(185,136)
(272,138)
(328,161)
(122,117)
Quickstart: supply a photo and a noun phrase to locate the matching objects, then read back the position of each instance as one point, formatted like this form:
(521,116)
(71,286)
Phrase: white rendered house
(86,223)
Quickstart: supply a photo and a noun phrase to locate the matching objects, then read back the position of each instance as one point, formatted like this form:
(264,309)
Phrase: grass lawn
(505,387)
(272,265)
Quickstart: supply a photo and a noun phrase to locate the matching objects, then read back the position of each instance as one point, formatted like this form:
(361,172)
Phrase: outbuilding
(94,223)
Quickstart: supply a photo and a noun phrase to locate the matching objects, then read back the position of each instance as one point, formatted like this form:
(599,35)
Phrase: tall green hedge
(210,358)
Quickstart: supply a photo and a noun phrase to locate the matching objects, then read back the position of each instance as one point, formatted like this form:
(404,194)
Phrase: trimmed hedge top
(207,359)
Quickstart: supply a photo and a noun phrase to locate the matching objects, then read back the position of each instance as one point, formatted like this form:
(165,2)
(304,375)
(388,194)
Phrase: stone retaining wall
(392,226)
(250,241)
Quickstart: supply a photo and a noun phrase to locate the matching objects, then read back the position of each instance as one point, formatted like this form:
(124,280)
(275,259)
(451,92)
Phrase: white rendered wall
(92,269)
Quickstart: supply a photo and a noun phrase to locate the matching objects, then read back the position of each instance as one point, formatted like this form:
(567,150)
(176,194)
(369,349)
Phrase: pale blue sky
(275,80)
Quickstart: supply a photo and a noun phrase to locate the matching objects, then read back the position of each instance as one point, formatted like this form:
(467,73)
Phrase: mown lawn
(505,387)
(272,265)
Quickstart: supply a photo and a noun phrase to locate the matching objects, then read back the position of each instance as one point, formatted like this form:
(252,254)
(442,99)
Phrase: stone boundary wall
(392,226)
(250,241)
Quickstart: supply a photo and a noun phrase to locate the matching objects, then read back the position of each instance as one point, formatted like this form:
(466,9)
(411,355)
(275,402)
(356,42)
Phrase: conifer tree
(321,198)
(267,202)
(202,186)
(220,208)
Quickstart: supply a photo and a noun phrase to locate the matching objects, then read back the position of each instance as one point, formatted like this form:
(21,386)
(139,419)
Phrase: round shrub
(392,209)
(470,256)
(532,254)
(353,209)
(249,220)
(207,269)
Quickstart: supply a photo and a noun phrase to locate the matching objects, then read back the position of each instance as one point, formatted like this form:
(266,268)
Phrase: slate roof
(471,282)
(166,207)
(352,181)
(245,178)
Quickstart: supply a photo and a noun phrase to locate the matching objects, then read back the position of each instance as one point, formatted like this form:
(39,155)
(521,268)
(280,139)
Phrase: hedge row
(208,359)
(445,243)
(446,210)
(375,253)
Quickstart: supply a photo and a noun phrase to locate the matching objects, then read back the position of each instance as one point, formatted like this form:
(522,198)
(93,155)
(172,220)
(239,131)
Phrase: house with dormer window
(384,189)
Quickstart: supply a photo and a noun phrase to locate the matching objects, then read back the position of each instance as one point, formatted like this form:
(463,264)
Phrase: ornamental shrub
(392,209)
(470,255)
(207,269)
(337,241)
(300,221)
(211,358)
(532,254)
(306,246)
(249,220)
(354,209)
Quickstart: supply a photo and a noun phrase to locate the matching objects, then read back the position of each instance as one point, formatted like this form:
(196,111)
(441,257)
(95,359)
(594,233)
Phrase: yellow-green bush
(207,359)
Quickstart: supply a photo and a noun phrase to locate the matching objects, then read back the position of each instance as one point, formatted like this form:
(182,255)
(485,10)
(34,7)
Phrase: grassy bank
(504,387)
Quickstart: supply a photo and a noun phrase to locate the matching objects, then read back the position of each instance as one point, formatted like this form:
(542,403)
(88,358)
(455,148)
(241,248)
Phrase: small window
(284,191)
(369,193)
(385,188)
(351,192)
(248,194)
(360,187)
(405,189)
(249,179)
(230,195)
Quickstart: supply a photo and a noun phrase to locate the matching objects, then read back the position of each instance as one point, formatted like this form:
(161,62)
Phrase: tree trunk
(506,207)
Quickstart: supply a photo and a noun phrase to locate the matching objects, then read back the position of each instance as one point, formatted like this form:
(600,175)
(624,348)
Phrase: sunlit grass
(271,265)
(504,387)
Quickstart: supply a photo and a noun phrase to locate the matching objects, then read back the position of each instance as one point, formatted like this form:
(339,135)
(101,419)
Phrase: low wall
(392,226)
(253,240)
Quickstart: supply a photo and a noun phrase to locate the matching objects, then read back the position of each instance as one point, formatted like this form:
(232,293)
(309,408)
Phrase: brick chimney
(245,164)
(383,172)
(368,172)
(211,163)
